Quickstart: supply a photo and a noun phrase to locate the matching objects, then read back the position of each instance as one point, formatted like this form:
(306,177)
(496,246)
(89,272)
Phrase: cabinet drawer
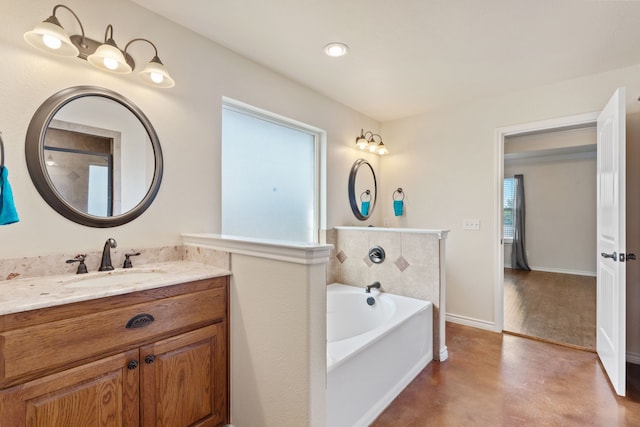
(48,346)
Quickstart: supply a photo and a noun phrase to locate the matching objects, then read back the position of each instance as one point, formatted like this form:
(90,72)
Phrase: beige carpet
(551,306)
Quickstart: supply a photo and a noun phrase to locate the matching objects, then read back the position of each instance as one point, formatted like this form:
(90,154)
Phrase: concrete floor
(493,379)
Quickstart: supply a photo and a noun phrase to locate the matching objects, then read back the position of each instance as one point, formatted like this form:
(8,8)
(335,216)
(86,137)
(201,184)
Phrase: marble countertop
(26,294)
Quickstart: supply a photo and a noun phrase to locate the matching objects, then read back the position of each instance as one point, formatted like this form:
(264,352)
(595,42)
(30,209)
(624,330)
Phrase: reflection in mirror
(93,156)
(82,178)
(96,125)
(363,189)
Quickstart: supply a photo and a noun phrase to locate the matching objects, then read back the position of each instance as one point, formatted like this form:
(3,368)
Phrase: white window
(270,176)
(507,212)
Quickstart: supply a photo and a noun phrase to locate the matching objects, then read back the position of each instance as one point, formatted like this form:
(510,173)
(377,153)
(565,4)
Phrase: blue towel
(365,208)
(397,207)
(8,213)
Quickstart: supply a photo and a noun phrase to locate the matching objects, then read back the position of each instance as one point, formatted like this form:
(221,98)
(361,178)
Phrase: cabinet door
(184,379)
(103,393)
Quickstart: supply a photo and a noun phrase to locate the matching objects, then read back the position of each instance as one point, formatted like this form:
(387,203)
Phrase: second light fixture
(367,141)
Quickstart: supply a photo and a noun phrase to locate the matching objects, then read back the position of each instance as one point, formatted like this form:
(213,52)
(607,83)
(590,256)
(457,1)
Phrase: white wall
(186,118)
(446,161)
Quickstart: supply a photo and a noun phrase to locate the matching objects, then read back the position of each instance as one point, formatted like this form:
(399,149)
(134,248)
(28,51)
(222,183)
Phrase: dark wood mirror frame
(34,152)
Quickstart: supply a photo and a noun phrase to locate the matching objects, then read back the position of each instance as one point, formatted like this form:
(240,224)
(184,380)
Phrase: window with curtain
(270,176)
(507,208)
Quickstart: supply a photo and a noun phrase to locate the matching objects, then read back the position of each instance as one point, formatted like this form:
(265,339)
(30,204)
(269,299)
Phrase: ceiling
(413,56)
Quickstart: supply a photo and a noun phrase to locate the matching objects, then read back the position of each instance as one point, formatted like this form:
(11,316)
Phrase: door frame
(550,125)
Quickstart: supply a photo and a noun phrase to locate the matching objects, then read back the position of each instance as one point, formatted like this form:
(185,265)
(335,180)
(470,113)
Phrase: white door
(611,228)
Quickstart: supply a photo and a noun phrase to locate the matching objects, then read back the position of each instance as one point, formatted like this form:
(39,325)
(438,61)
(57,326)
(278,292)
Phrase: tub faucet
(105,265)
(374,285)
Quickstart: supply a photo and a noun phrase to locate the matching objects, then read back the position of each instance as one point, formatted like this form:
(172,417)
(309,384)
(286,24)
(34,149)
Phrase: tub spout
(374,285)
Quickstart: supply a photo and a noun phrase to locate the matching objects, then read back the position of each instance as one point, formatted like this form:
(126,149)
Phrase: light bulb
(336,49)
(51,42)
(110,63)
(373,148)
(156,77)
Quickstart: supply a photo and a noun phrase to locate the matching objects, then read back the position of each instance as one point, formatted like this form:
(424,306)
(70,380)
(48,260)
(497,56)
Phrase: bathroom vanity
(147,352)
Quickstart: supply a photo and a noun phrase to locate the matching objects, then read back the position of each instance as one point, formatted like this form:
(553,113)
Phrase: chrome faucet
(374,285)
(105,265)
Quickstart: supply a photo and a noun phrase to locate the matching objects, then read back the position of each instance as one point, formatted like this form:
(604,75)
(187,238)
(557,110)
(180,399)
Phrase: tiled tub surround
(54,264)
(413,267)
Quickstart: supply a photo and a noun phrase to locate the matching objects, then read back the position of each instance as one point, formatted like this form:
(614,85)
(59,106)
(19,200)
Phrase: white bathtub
(373,352)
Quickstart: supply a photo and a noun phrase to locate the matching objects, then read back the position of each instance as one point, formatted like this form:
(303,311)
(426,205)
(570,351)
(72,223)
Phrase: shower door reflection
(80,167)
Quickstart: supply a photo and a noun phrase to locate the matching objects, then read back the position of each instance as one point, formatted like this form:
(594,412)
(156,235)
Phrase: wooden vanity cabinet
(172,371)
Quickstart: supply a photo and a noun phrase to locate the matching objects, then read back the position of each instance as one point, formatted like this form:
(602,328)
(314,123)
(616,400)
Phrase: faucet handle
(127,261)
(82,267)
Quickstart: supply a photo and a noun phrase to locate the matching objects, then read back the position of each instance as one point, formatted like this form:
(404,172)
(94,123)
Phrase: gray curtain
(518,249)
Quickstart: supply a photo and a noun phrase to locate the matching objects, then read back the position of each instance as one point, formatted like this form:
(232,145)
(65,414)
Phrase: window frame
(319,137)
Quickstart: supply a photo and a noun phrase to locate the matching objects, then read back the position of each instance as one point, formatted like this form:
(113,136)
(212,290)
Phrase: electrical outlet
(471,224)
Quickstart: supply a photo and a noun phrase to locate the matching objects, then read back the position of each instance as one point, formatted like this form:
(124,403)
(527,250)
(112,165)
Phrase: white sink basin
(114,278)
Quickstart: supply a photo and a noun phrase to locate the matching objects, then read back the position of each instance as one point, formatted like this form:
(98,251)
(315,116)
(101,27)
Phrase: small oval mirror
(94,156)
(363,190)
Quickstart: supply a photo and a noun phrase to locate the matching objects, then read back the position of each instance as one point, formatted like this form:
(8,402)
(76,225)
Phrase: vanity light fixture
(49,36)
(367,141)
(336,49)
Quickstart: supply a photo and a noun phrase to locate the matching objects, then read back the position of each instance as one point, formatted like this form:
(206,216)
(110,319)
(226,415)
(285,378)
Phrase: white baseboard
(468,321)
(444,354)
(490,326)
(564,271)
(633,358)
(561,271)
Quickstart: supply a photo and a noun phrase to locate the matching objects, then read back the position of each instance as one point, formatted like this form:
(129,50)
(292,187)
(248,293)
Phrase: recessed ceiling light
(336,49)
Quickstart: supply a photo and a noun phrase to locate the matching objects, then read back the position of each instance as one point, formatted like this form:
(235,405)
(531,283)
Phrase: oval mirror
(94,156)
(363,189)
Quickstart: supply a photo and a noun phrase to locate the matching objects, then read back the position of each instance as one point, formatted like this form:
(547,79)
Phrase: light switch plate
(471,224)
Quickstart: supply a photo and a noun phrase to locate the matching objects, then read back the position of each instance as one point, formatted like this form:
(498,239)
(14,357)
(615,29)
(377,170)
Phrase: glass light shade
(156,74)
(382,149)
(51,37)
(50,161)
(109,58)
(362,143)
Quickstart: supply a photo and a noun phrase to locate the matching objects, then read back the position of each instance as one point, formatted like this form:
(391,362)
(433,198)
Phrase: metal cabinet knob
(133,364)
(149,359)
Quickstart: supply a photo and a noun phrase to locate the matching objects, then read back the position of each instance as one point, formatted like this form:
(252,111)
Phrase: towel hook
(1,152)
(365,193)
(399,192)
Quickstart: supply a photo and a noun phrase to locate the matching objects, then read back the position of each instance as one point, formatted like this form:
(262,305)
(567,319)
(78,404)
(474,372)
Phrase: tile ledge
(442,233)
(294,252)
